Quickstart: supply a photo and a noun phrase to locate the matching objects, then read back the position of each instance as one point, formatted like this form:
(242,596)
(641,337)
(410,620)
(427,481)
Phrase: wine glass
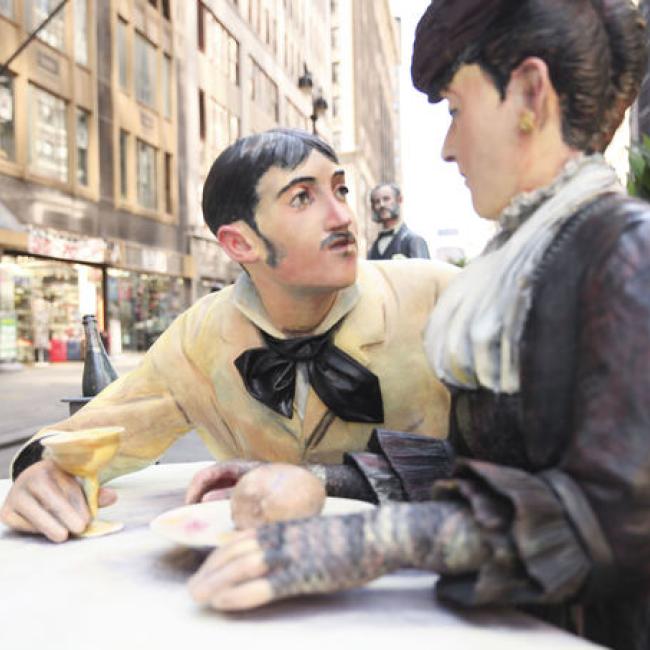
(84,453)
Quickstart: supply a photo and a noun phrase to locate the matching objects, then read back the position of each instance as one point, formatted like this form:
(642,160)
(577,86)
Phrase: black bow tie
(345,386)
(386,233)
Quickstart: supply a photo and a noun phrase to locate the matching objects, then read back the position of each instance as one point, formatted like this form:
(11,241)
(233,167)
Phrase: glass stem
(91,490)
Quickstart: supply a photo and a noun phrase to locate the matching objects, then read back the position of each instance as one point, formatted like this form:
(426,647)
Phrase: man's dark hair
(595,51)
(230,190)
(397,193)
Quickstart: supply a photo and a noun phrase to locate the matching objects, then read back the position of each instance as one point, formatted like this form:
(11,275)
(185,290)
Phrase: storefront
(51,279)
(141,306)
(46,287)
(212,268)
(146,289)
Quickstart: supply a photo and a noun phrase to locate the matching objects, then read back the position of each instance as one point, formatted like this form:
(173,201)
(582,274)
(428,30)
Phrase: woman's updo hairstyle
(595,51)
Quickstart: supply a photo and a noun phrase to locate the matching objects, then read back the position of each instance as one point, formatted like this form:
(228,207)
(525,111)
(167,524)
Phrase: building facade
(88,183)
(109,121)
(365,39)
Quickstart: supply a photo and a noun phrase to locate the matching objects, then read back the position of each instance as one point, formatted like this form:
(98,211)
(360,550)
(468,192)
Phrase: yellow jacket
(188,378)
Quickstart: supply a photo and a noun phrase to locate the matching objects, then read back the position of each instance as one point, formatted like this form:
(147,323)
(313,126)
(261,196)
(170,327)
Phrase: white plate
(206,524)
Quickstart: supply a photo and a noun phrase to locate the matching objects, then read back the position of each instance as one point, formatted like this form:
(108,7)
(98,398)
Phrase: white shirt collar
(247,300)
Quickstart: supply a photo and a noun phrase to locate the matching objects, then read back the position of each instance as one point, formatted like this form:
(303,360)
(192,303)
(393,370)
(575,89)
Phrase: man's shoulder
(414,271)
(206,314)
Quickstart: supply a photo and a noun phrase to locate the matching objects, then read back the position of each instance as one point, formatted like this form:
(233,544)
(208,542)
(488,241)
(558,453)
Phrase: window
(201,114)
(145,71)
(48,135)
(267,27)
(7,8)
(235,128)
(200,27)
(335,73)
(336,106)
(146,161)
(124,169)
(53,33)
(165,9)
(167,86)
(122,54)
(223,126)
(222,48)
(274,35)
(81,135)
(81,31)
(168,183)
(335,38)
(233,61)
(7,141)
(264,91)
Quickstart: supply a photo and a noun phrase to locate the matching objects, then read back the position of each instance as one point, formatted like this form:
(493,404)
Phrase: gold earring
(527,121)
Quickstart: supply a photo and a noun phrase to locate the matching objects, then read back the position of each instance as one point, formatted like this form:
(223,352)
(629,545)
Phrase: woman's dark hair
(230,190)
(595,51)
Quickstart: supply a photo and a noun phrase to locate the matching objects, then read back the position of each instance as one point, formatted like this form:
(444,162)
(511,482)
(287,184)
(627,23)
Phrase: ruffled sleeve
(401,466)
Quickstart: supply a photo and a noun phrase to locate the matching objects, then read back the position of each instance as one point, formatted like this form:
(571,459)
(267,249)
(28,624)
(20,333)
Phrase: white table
(127,590)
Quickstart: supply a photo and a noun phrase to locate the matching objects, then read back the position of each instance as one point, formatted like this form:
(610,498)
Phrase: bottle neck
(93,340)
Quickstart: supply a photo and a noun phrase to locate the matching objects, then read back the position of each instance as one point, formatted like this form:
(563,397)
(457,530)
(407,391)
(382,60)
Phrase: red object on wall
(58,350)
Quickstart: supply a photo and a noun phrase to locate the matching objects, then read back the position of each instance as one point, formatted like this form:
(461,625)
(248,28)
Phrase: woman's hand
(307,556)
(216,482)
(326,554)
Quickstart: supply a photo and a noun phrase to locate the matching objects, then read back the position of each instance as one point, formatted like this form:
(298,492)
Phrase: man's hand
(326,554)
(216,482)
(46,500)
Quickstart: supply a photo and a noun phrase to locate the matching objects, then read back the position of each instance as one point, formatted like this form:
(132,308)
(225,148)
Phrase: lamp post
(318,102)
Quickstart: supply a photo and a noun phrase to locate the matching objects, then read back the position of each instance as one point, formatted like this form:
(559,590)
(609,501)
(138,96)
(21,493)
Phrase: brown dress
(558,475)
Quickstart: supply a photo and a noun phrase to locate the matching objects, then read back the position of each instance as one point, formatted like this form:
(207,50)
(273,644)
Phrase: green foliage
(638,181)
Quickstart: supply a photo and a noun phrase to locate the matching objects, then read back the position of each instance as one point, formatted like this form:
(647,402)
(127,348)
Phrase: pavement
(30,398)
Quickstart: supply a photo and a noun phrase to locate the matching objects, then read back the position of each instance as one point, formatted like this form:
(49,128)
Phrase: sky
(435,195)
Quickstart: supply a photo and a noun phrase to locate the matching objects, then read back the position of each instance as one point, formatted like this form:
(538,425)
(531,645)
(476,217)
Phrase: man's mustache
(338,238)
(392,212)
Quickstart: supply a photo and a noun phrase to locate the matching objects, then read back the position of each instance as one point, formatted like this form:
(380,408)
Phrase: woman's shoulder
(597,231)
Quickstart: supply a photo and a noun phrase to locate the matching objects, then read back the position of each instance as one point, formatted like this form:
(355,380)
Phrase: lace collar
(522,205)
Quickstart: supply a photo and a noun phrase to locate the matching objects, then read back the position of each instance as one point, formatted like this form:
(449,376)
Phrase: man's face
(307,225)
(384,204)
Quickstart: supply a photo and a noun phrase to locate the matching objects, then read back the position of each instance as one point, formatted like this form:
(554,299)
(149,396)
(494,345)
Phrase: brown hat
(445,31)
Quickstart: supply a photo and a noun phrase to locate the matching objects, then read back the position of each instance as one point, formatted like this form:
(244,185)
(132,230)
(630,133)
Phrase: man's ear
(532,83)
(239,242)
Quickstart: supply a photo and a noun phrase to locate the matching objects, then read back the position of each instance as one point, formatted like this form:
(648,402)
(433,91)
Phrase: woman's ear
(531,81)
(239,242)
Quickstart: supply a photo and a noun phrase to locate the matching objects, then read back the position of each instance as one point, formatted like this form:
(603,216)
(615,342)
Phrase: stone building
(109,120)
(365,108)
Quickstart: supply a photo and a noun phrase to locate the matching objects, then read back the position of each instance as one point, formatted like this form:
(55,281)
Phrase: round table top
(127,590)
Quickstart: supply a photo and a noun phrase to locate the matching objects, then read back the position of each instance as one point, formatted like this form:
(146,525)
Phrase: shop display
(144,305)
(48,296)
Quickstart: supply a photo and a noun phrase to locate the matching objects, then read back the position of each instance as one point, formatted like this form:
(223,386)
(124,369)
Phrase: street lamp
(318,102)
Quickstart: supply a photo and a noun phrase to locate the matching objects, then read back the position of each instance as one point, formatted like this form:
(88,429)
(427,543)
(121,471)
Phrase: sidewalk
(31,398)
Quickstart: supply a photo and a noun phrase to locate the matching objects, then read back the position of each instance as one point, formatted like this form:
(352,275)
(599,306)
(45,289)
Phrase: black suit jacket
(405,242)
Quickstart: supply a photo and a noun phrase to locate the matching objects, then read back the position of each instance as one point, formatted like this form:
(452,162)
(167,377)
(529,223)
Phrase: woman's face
(484,140)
